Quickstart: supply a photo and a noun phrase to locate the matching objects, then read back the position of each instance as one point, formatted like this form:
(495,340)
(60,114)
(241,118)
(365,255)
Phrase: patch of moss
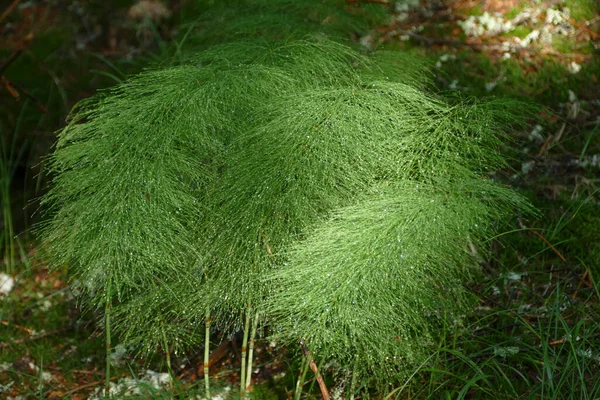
(513,12)
(583,10)
(519,31)
(475,11)
(563,44)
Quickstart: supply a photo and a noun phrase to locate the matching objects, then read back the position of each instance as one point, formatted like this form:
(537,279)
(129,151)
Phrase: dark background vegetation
(534,332)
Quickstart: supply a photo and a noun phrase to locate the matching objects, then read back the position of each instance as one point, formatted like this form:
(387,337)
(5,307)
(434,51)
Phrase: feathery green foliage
(373,282)
(298,179)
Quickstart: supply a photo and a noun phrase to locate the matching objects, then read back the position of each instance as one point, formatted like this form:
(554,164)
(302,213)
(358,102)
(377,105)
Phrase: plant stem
(9,246)
(244,345)
(250,355)
(167,354)
(108,341)
(207,354)
(11,240)
(301,377)
(315,370)
(354,376)
(9,158)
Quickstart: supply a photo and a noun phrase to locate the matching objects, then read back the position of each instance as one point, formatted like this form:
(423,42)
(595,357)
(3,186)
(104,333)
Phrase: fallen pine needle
(92,384)
(33,337)
(19,327)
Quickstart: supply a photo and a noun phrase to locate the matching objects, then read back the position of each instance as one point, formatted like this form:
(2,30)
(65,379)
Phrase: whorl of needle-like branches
(326,189)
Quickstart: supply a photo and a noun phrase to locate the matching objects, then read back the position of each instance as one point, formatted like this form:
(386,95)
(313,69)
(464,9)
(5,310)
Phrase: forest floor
(533,332)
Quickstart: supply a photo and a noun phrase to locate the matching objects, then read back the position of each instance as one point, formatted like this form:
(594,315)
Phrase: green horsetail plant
(289,168)
(295,182)
(366,288)
(127,187)
(136,166)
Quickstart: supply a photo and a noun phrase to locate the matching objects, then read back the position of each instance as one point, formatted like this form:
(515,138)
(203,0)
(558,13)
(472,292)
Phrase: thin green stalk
(244,346)
(11,239)
(9,158)
(41,379)
(167,354)
(6,212)
(207,354)
(354,376)
(108,341)
(9,230)
(301,378)
(250,355)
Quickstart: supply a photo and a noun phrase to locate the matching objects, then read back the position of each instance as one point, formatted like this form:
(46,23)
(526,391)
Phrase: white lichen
(527,167)
(574,68)
(7,284)
(487,24)
(536,134)
(531,38)
(590,161)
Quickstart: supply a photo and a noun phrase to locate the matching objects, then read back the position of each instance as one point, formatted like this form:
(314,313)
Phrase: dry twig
(558,253)
(92,384)
(19,327)
(437,41)
(34,337)
(10,9)
(315,370)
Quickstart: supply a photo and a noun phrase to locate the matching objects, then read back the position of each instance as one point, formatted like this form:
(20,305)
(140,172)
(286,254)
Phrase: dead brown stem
(10,9)
(91,384)
(315,370)
(33,337)
(19,327)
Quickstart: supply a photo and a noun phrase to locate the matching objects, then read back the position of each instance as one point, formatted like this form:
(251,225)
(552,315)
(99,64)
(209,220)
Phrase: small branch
(583,280)
(34,337)
(10,9)
(84,372)
(91,384)
(435,41)
(592,34)
(549,244)
(315,370)
(10,87)
(13,57)
(544,146)
(19,327)
(558,253)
